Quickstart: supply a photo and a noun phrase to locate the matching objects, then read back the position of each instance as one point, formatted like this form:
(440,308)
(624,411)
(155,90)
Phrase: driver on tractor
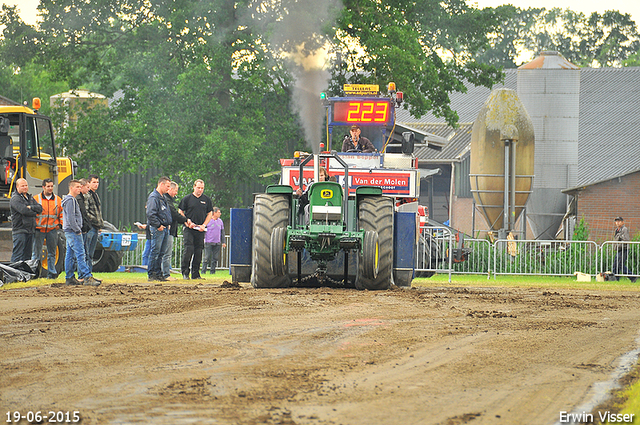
(355,143)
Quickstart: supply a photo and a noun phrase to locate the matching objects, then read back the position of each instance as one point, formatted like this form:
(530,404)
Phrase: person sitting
(355,143)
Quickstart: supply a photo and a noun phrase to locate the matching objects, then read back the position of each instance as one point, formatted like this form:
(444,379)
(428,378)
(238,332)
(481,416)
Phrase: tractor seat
(6,146)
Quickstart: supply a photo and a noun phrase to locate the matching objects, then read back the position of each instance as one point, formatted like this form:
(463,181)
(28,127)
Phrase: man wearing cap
(620,262)
(355,143)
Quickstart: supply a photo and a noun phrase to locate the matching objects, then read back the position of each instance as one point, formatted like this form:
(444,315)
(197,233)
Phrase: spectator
(94,212)
(158,222)
(86,223)
(213,242)
(196,207)
(48,224)
(24,210)
(177,219)
(355,143)
(147,245)
(620,262)
(72,226)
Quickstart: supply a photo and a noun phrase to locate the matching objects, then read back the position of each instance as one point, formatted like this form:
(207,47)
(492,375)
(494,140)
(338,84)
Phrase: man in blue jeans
(94,211)
(158,221)
(178,219)
(72,226)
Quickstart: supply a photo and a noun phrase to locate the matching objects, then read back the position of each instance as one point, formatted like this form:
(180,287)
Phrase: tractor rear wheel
(270,211)
(375,214)
(279,264)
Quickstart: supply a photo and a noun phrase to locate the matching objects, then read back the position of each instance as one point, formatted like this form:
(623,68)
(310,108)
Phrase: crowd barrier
(134,258)
(524,257)
(480,256)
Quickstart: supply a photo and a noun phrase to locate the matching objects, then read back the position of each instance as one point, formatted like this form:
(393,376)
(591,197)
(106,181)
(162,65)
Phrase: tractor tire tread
(269,212)
(375,213)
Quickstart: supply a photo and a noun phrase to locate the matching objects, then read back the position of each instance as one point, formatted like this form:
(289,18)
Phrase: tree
(206,88)
(508,42)
(632,60)
(21,78)
(426,47)
(598,40)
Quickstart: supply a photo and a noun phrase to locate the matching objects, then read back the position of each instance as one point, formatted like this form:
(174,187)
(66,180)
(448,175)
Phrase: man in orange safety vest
(48,225)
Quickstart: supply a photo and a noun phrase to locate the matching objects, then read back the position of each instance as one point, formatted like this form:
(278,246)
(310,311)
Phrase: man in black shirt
(198,208)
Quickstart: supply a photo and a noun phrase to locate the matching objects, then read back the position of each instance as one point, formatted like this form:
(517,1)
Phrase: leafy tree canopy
(607,39)
(207,88)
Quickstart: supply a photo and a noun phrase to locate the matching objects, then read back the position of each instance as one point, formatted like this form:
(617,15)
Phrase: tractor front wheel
(279,265)
(370,255)
(375,214)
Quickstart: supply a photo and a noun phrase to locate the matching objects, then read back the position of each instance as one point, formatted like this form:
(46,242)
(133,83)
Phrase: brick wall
(599,204)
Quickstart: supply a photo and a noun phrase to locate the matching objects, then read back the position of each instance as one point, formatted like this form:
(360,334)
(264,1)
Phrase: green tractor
(338,240)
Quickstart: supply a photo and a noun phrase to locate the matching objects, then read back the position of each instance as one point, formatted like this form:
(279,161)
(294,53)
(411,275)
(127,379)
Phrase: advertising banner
(403,183)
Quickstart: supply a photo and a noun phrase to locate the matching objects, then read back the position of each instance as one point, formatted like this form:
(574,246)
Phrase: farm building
(589,145)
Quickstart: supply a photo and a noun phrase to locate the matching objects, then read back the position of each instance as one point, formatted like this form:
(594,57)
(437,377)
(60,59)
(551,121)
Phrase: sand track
(170,354)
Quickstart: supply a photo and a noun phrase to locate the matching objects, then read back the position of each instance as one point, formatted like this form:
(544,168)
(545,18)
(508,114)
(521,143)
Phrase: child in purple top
(213,242)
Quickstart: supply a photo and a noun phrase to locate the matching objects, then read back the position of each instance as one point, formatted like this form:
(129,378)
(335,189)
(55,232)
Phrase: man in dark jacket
(94,212)
(86,222)
(355,143)
(158,221)
(24,210)
(620,261)
(177,219)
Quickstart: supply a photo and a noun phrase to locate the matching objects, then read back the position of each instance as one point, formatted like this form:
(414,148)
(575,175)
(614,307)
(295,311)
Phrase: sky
(28,7)
(631,7)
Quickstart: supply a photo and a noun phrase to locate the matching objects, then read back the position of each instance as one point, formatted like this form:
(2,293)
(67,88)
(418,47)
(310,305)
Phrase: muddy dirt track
(206,354)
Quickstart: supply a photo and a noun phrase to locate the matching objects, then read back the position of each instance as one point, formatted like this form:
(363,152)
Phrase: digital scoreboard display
(361,112)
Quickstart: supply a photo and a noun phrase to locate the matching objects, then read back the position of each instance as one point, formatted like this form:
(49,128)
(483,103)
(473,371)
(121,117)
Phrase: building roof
(608,143)
(609,123)
(467,105)
(8,102)
(573,190)
(457,145)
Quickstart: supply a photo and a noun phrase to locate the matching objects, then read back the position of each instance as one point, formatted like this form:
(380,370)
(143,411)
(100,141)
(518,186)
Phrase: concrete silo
(549,88)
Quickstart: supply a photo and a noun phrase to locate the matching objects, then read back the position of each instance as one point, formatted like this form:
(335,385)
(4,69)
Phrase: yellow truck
(27,150)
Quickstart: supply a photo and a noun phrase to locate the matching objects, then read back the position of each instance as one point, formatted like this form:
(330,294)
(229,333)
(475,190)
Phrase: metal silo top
(549,60)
